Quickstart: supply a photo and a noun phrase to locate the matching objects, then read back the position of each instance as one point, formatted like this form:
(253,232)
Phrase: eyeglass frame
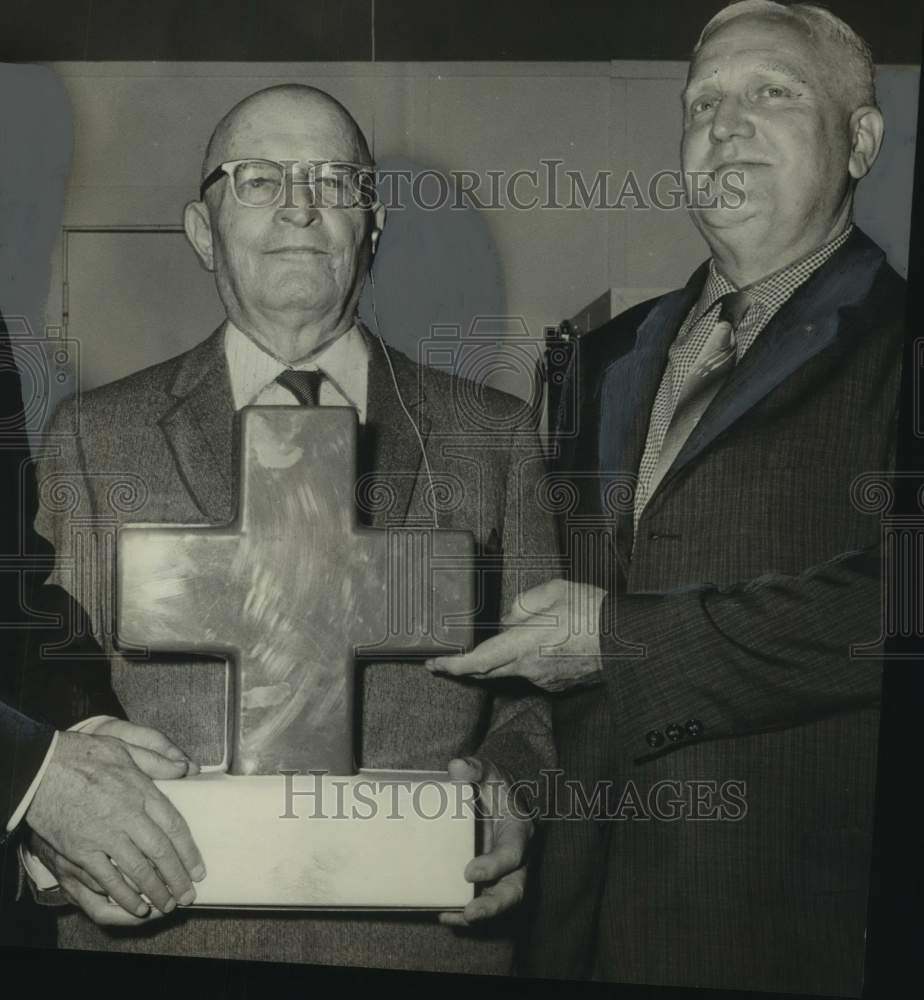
(227,168)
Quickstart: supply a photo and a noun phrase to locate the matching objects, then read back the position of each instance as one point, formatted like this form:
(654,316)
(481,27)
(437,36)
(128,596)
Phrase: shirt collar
(251,368)
(770,291)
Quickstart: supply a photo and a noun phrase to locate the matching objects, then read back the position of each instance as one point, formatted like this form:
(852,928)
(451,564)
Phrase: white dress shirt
(253,371)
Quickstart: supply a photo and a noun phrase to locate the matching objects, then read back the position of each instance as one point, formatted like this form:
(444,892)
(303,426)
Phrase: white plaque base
(376,840)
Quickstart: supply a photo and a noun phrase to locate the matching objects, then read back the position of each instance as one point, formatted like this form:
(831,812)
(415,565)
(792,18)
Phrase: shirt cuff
(39,875)
(87,726)
(26,800)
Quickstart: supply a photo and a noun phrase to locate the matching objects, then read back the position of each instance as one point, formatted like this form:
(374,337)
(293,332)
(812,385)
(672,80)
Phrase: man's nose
(298,204)
(298,214)
(731,120)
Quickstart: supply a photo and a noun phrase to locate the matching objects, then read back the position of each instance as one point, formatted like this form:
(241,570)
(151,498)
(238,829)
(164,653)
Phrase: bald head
(289,272)
(291,106)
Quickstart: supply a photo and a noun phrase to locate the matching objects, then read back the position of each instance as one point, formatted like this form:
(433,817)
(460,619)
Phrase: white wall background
(141,128)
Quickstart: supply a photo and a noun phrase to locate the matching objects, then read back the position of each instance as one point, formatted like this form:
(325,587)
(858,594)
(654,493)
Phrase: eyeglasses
(327,183)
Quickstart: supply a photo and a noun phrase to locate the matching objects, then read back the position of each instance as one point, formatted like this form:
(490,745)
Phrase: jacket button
(674,732)
(654,738)
(694,727)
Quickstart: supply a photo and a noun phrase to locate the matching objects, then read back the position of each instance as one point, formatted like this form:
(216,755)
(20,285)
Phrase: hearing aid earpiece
(394,381)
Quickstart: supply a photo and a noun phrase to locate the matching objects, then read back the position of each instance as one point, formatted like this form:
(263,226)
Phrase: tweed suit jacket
(729,620)
(160,445)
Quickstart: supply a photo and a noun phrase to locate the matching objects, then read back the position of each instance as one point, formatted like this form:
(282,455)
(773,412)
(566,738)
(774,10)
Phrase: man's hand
(551,638)
(97,808)
(81,889)
(144,738)
(502,868)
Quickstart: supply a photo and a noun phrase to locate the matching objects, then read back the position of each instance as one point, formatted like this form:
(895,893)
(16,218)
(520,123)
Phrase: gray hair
(853,57)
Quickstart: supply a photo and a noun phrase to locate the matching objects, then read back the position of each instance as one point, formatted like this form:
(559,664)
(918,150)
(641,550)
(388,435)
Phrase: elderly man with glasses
(287,221)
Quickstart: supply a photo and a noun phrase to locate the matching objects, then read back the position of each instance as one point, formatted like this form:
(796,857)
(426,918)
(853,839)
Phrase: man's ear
(198,228)
(866,131)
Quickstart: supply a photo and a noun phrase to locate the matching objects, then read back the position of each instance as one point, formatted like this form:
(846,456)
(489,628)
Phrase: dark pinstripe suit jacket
(37,693)
(159,446)
(753,570)
(23,741)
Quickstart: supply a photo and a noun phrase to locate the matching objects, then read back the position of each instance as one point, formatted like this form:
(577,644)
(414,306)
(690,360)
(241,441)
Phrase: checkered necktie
(703,382)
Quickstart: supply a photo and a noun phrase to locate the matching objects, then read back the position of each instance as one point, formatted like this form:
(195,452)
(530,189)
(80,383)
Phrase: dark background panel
(196,30)
(424,30)
(551,29)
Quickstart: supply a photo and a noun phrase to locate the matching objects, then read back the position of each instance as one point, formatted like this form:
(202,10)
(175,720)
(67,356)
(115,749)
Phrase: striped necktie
(702,384)
(304,385)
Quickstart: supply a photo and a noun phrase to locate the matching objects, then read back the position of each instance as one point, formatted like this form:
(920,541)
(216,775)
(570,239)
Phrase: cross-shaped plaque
(293,589)
(289,593)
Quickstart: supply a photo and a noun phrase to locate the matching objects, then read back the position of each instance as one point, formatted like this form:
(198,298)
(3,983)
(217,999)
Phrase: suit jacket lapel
(806,325)
(391,450)
(199,428)
(627,392)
